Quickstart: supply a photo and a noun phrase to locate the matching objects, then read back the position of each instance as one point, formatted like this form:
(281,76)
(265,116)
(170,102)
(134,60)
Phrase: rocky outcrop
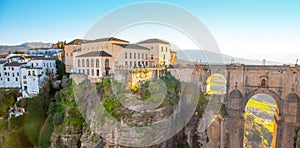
(65,137)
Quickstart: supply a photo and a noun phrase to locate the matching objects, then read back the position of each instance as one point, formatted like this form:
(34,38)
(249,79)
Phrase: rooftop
(108,39)
(2,62)
(14,64)
(153,41)
(95,54)
(40,58)
(133,46)
(77,42)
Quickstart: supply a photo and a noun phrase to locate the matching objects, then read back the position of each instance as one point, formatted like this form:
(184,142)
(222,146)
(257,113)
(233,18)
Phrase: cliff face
(67,137)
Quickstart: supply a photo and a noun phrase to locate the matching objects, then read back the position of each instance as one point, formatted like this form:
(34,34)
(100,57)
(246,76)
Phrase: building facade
(99,58)
(26,72)
(159,51)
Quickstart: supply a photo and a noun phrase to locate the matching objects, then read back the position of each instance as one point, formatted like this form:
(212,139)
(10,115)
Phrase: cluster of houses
(93,58)
(27,72)
(102,57)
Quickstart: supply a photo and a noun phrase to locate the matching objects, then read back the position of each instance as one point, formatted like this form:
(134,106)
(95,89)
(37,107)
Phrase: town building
(99,58)
(159,51)
(26,72)
(69,49)
(173,60)
(107,56)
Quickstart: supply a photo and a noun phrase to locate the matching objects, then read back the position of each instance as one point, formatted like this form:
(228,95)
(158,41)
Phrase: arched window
(92,63)
(82,63)
(106,63)
(87,63)
(97,63)
(263,82)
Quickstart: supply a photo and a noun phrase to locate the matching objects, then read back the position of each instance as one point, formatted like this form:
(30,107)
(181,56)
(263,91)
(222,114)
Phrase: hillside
(23,47)
(186,56)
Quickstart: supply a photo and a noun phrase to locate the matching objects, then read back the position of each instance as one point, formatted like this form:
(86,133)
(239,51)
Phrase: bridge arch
(267,91)
(279,110)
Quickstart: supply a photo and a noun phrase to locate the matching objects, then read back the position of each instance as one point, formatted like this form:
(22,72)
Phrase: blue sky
(267,28)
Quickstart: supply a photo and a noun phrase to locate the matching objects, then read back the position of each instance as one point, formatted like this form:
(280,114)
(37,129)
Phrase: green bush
(58,118)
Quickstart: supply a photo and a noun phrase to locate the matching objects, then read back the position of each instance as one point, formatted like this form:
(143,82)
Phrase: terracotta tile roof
(77,42)
(14,64)
(107,39)
(95,54)
(153,41)
(132,46)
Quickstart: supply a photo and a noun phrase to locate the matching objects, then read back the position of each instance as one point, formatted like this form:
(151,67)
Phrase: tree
(61,68)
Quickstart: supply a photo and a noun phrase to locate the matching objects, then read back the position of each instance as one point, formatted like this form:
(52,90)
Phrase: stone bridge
(243,82)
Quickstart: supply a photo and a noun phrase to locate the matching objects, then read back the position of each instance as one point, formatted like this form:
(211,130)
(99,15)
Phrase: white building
(27,73)
(12,75)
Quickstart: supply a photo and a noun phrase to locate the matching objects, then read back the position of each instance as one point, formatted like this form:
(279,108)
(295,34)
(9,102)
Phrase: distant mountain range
(204,56)
(24,47)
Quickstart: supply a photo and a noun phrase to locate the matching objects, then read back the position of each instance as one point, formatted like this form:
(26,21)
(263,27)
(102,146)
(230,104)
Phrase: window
(83,71)
(24,77)
(106,63)
(164,57)
(71,54)
(8,74)
(5,73)
(18,74)
(16,78)
(125,55)
(162,49)
(29,73)
(130,55)
(166,49)
(78,61)
(12,68)
(92,63)
(130,63)
(82,63)
(8,79)
(134,56)
(92,72)
(97,63)
(37,64)
(146,56)
(98,73)
(151,47)
(25,82)
(13,74)
(79,71)
(87,63)
(67,55)
(134,63)
(126,63)
(263,82)
(33,73)
(142,56)
(88,72)
(151,56)
(138,55)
